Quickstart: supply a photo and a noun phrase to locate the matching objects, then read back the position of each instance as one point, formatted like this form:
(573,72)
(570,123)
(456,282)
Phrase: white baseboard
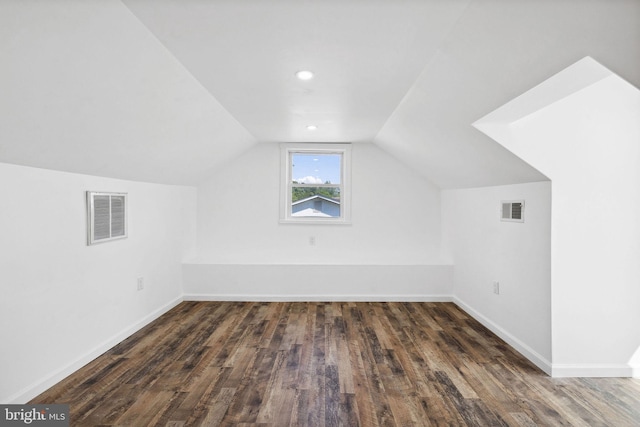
(518,345)
(319,298)
(33,390)
(597,370)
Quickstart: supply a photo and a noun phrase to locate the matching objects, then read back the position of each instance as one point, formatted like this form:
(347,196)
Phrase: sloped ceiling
(498,50)
(85,88)
(169,90)
(582,85)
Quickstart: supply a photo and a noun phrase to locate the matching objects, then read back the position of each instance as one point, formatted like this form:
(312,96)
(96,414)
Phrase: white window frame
(510,218)
(91,239)
(287,152)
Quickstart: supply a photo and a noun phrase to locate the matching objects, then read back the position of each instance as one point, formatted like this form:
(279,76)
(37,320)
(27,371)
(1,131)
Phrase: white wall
(588,144)
(64,302)
(594,136)
(395,215)
(485,249)
(395,222)
(313,282)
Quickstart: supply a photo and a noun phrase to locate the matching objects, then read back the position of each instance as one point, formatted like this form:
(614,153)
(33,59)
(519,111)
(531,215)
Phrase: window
(513,211)
(315,183)
(107,216)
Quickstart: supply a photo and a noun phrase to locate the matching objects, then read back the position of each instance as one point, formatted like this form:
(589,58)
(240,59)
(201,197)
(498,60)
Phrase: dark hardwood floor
(330,364)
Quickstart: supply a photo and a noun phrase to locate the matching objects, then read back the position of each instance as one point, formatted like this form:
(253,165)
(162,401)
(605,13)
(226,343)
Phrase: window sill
(315,221)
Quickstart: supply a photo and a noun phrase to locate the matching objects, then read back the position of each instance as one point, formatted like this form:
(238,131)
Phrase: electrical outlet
(140,283)
(496,288)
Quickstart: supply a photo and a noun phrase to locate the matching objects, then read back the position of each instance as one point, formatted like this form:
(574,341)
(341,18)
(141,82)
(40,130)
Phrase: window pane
(315,202)
(315,168)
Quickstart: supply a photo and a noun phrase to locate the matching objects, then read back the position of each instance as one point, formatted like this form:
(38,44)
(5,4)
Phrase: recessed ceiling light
(304,75)
(312,127)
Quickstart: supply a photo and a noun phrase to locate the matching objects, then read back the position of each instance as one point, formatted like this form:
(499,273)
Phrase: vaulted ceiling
(169,90)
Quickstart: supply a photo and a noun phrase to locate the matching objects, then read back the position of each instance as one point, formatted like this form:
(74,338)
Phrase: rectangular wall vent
(106,216)
(512,211)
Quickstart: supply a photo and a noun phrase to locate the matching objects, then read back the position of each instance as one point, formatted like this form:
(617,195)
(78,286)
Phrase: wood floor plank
(147,408)
(305,370)
(217,410)
(200,389)
(364,399)
(269,408)
(326,364)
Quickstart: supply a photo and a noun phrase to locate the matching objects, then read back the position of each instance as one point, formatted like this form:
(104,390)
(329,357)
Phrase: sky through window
(316,168)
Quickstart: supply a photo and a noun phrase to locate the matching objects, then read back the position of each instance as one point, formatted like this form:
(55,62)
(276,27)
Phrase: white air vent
(107,216)
(512,211)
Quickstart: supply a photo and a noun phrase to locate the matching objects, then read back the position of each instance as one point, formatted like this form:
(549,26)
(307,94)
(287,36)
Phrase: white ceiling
(170,90)
(366,56)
